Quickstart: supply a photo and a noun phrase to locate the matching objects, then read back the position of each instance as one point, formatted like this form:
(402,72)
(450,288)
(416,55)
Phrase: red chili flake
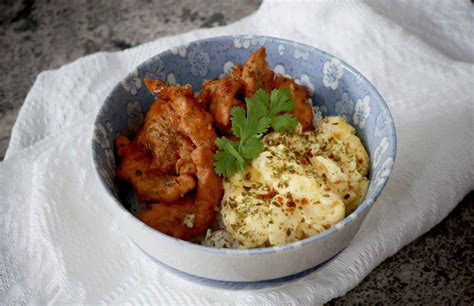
(267,196)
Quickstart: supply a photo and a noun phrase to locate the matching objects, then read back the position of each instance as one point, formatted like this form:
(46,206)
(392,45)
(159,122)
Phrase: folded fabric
(61,244)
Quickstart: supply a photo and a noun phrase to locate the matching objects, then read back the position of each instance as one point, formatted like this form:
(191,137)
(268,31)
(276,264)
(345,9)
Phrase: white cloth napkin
(59,243)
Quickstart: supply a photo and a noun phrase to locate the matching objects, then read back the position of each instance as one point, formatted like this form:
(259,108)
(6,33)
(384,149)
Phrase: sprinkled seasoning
(189,221)
(301,185)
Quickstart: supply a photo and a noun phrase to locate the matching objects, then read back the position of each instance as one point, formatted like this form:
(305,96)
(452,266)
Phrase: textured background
(40,35)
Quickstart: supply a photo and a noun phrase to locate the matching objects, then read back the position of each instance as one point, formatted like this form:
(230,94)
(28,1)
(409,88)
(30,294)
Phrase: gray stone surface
(40,35)
(37,35)
(435,269)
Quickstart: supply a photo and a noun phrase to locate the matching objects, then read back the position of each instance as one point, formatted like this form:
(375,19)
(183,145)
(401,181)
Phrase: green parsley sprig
(263,111)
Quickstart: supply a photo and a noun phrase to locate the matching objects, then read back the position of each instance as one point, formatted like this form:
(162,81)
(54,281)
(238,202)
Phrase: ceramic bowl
(336,87)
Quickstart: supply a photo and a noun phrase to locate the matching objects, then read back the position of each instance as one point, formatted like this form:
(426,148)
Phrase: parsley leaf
(284,123)
(263,111)
(238,121)
(227,159)
(281,101)
(257,111)
(252,148)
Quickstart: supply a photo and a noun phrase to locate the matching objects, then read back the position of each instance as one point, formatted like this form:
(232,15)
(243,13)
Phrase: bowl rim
(361,209)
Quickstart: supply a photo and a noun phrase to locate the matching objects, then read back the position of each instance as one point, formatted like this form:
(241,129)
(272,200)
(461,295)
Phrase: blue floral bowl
(337,88)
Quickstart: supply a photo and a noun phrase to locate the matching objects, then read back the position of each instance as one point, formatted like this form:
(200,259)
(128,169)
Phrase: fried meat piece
(255,73)
(194,121)
(149,184)
(134,158)
(155,187)
(170,149)
(162,161)
(155,86)
(303,109)
(221,96)
(189,217)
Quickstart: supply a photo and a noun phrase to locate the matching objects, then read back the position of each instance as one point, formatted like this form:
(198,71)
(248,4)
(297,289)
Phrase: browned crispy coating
(191,216)
(236,71)
(155,86)
(166,143)
(303,110)
(149,184)
(172,150)
(156,187)
(134,158)
(209,189)
(255,73)
(193,120)
(169,218)
(221,96)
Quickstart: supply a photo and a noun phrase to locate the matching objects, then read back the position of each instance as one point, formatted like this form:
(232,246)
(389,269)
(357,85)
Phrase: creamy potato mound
(302,184)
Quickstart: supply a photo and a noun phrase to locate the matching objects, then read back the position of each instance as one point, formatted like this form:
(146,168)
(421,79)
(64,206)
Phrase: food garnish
(263,111)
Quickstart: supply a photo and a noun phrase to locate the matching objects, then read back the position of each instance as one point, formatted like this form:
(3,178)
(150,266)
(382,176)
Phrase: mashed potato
(302,184)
